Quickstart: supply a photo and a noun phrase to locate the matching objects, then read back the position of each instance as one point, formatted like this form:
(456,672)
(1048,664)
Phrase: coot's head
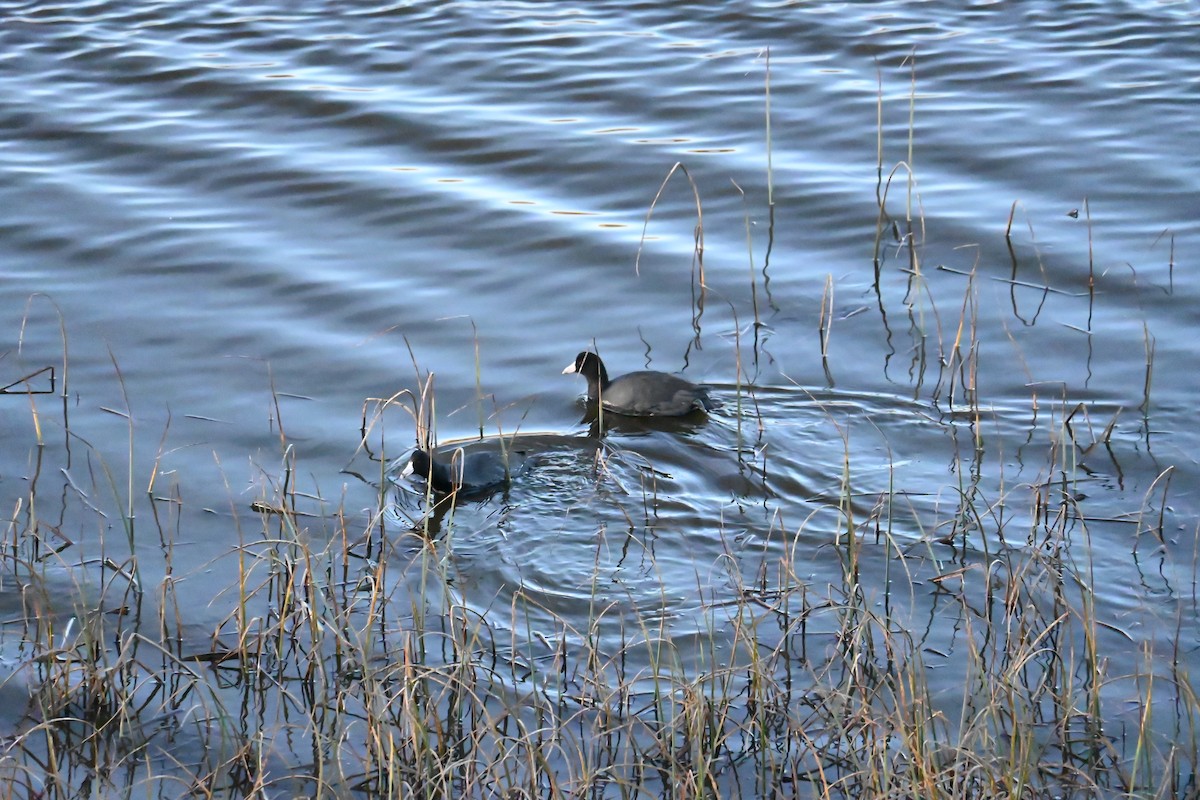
(419,464)
(589,366)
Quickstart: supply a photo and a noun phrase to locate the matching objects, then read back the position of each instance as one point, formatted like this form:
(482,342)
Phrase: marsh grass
(348,662)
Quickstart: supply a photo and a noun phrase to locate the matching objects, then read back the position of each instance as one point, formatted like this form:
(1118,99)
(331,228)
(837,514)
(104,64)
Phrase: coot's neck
(439,477)
(597,380)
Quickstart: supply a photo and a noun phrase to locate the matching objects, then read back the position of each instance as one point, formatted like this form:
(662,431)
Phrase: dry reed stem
(699,231)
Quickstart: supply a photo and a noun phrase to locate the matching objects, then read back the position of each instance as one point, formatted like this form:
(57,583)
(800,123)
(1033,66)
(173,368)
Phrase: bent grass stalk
(698,253)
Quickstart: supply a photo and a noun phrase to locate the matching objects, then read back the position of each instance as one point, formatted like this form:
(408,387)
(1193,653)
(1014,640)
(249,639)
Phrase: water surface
(241,222)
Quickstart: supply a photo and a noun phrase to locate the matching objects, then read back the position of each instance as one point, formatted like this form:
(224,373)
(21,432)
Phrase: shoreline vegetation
(348,663)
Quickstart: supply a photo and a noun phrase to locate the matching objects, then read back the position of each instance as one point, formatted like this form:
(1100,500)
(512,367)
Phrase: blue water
(250,219)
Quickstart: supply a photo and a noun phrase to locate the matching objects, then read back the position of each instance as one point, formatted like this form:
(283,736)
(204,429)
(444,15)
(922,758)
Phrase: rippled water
(250,218)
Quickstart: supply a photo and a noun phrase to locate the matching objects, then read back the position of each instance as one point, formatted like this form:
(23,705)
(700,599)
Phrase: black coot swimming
(466,473)
(640,394)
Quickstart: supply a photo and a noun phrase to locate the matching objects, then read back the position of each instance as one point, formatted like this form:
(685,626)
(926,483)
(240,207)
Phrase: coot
(467,473)
(640,394)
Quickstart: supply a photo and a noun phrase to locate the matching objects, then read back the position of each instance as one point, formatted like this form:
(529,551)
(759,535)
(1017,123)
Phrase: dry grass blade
(699,231)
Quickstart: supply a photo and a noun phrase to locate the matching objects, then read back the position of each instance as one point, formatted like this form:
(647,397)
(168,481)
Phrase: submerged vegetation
(348,663)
